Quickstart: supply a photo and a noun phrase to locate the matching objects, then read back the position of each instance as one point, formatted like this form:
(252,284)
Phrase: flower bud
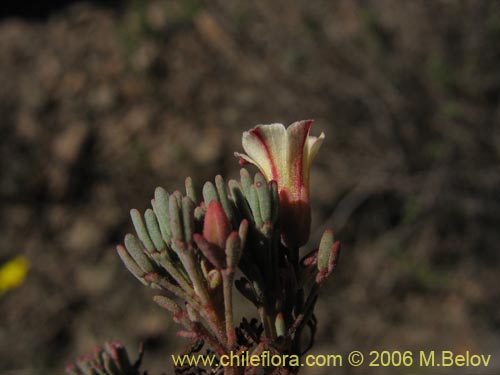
(216,226)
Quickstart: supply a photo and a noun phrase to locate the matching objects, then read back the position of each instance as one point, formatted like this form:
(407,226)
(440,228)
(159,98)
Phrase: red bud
(216,227)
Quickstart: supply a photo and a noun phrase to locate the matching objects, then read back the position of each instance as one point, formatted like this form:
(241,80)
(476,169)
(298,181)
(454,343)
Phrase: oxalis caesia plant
(243,235)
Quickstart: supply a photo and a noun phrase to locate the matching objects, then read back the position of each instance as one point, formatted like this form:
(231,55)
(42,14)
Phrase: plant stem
(227,281)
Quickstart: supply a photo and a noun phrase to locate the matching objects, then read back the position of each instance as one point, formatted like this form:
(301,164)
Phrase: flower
(13,273)
(285,155)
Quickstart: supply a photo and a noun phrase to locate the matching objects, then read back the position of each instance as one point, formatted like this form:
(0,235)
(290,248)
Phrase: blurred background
(101,102)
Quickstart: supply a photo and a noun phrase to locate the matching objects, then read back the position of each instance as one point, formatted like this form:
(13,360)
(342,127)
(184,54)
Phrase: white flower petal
(310,150)
(297,137)
(246,159)
(267,146)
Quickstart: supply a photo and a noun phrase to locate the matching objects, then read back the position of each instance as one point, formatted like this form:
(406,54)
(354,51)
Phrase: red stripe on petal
(299,162)
(258,135)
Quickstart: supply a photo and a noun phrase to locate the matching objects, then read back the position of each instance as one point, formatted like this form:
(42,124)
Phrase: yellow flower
(285,155)
(13,273)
